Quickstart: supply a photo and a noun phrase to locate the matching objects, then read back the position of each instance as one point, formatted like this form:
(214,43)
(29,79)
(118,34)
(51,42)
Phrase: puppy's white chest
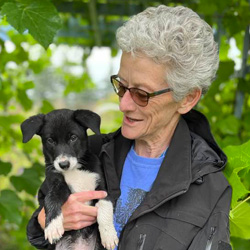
(81,180)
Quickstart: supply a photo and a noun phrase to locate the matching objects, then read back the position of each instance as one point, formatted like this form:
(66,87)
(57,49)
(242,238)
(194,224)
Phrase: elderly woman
(163,167)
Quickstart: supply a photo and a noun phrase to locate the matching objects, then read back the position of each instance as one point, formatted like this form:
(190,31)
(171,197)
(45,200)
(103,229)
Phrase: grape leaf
(239,220)
(238,159)
(39,17)
(13,11)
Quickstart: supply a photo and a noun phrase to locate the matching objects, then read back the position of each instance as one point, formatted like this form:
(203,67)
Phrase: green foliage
(240,244)
(239,218)
(29,180)
(30,84)
(5,168)
(39,17)
(237,171)
(10,205)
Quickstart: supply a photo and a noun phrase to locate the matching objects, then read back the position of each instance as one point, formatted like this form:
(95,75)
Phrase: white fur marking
(72,162)
(54,231)
(106,227)
(81,180)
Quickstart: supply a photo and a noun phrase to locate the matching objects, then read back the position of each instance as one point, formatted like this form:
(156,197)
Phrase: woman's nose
(126,102)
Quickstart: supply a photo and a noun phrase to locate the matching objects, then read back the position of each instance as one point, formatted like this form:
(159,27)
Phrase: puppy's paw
(54,231)
(106,227)
(109,237)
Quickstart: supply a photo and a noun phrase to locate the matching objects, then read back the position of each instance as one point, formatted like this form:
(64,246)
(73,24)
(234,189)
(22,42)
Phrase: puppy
(70,168)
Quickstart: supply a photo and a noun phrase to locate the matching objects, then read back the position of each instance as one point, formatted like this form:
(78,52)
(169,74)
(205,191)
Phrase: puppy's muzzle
(64,165)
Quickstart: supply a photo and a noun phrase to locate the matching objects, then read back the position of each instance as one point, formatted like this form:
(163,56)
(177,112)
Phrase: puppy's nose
(64,165)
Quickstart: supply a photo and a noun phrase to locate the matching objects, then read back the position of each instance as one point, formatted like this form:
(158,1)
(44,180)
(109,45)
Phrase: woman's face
(161,115)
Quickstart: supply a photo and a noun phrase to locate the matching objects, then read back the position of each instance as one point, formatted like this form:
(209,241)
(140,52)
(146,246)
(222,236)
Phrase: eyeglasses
(139,96)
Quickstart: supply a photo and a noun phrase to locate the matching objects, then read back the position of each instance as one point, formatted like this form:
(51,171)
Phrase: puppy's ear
(88,119)
(31,126)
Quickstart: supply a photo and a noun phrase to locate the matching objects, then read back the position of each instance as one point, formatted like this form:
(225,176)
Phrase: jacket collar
(174,176)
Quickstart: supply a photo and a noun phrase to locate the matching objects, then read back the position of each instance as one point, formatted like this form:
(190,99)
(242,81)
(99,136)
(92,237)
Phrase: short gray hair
(178,38)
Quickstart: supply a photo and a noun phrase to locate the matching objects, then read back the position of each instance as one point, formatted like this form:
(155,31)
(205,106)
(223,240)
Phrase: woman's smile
(131,121)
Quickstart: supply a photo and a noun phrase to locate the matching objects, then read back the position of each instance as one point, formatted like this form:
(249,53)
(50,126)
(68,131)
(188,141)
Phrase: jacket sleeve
(215,234)
(35,233)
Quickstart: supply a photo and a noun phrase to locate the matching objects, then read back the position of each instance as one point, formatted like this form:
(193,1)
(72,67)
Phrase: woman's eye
(50,141)
(73,138)
(141,94)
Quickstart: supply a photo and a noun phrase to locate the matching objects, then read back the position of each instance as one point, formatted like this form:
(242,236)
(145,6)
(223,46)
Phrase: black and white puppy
(70,168)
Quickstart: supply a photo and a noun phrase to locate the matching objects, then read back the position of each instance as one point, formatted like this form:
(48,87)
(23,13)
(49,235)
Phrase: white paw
(109,237)
(54,231)
(106,227)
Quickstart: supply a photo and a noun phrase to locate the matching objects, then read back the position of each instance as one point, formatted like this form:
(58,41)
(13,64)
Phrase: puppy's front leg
(105,222)
(56,197)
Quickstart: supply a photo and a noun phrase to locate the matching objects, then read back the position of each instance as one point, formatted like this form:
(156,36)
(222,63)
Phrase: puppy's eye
(73,138)
(50,141)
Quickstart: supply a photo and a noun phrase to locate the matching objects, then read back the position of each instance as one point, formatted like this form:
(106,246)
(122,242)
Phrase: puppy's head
(63,134)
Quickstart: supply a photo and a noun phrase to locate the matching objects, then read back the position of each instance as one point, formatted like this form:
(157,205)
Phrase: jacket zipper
(210,238)
(141,242)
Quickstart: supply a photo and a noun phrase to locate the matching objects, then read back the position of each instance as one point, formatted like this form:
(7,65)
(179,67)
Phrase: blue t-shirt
(138,175)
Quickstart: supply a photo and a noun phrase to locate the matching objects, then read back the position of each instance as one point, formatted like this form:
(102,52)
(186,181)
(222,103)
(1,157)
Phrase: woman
(163,167)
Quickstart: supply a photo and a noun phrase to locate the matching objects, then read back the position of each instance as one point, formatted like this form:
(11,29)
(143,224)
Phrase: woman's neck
(153,148)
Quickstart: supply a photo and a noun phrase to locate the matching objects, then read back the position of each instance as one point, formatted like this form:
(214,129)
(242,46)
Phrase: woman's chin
(129,133)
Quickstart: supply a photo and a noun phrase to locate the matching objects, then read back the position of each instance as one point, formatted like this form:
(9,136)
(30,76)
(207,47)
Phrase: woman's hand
(76,213)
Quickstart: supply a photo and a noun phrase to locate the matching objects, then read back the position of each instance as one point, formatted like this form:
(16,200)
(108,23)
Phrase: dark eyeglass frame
(133,91)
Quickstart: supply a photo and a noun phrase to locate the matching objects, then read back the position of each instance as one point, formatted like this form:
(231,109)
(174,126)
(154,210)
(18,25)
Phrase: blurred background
(61,53)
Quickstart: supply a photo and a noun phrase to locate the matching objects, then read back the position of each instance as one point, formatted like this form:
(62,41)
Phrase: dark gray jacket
(188,205)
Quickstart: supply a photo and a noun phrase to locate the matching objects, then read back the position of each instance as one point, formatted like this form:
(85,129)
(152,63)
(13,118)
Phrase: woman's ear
(189,101)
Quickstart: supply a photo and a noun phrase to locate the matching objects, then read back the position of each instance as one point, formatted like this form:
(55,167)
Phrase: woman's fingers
(79,210)
(79,225)
(86,196)
(78,221)
(85,216)
(89,211)
(78,202)
(76,211)
(76,207)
